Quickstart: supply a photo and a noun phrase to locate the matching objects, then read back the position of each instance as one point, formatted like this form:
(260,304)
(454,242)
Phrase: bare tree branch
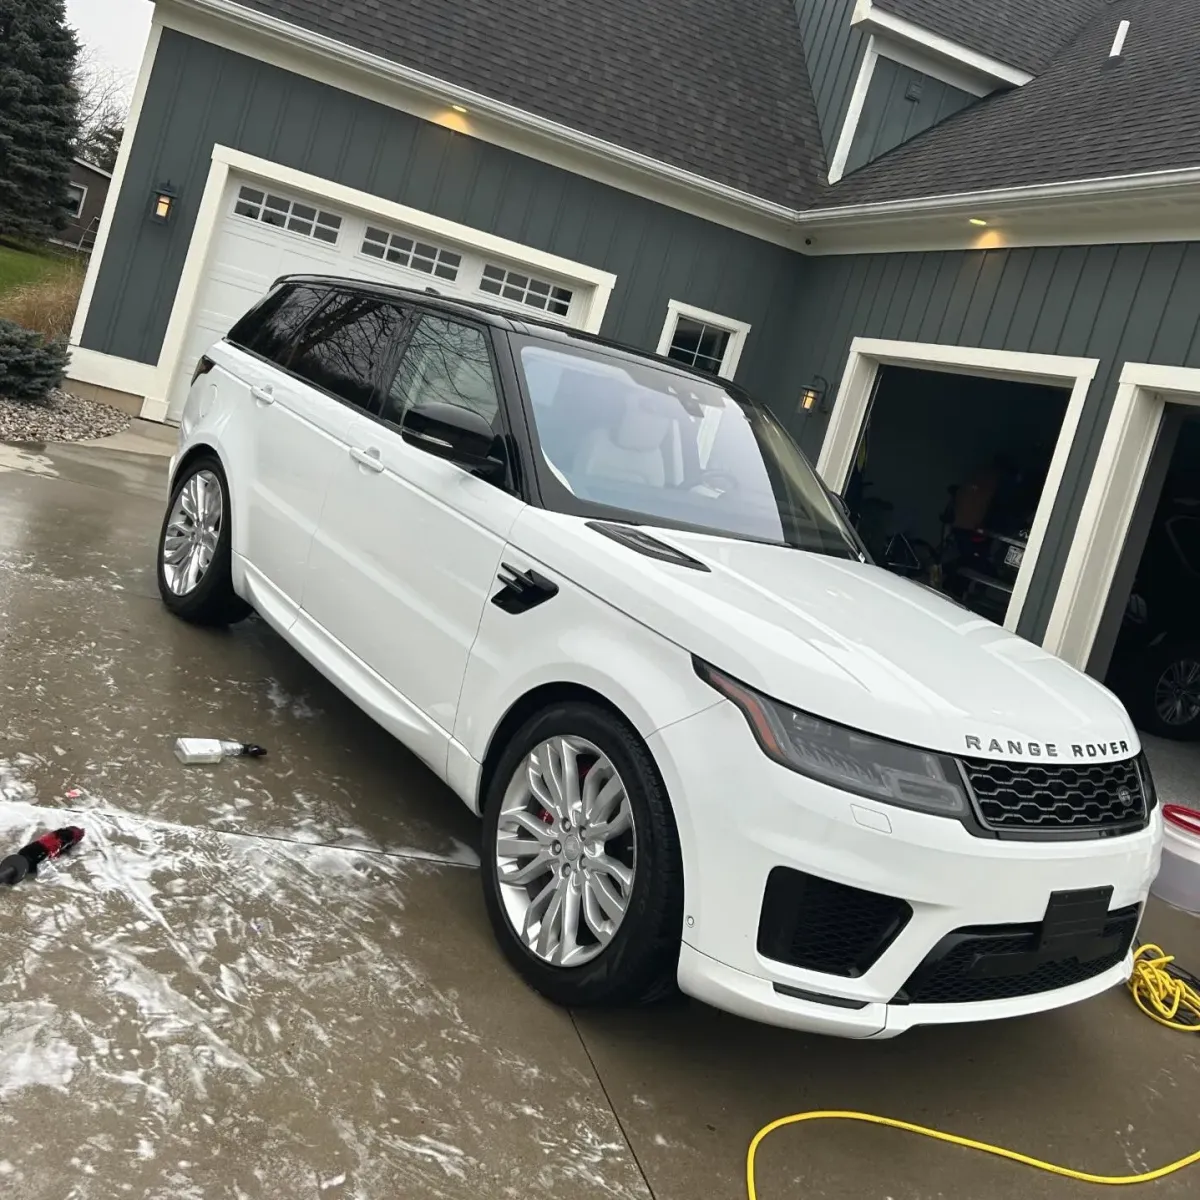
(104,95)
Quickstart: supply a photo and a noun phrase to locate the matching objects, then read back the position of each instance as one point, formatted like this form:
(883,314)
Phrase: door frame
(1143,393)
(227,161)
(857,387)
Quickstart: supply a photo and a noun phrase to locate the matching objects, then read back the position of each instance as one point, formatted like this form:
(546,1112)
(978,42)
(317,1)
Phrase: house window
(76,195)
(701,339)
(524,289)
(405,251)
(292,215)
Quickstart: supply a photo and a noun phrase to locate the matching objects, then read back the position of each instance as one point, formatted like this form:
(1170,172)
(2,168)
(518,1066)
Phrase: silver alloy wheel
(1177,693)
(566,851)
(192,533)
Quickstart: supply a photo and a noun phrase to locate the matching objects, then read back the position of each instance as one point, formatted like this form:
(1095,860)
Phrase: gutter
(1108,186)
(449,94)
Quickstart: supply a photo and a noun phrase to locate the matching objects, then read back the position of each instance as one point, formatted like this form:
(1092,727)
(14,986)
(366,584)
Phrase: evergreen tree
(38,118)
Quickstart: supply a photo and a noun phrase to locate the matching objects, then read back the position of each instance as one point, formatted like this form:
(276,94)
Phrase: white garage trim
(226,160)
(1143,393)
(857,388)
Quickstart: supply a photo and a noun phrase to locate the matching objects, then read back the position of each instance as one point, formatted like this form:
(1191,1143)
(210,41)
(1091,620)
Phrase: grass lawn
(18,267)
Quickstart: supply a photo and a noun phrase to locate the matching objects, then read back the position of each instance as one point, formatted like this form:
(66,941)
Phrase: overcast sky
(114,29)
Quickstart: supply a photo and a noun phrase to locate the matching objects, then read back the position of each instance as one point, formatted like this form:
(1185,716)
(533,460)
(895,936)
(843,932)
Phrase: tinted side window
(446,362)
(269,329)
(344,346)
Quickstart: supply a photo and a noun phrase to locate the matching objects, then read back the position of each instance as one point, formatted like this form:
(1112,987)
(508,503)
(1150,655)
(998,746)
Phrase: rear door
(304,393)
(409,544)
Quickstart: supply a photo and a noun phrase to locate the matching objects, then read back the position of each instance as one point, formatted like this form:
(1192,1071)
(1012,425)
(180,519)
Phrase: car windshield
(669,448)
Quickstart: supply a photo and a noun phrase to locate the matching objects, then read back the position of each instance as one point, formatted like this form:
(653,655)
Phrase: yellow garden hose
(1161,991)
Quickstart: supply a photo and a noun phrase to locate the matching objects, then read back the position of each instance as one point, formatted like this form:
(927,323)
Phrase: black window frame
(517,467)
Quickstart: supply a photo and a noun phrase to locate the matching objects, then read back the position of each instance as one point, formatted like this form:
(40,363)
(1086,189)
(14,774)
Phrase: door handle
(368,458)
(264,395)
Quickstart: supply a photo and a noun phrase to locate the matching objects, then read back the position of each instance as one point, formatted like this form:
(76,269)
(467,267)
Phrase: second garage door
(266,232)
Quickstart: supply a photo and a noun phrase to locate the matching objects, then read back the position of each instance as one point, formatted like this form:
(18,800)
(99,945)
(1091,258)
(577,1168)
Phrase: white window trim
(236,198)
(850,411)
(82,200)
(874,20)
(737,333)
(1143,392)
(227,161)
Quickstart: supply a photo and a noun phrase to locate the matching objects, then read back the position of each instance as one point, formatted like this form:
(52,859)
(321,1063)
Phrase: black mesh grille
(824,926)
(1067,796)
(1000,962)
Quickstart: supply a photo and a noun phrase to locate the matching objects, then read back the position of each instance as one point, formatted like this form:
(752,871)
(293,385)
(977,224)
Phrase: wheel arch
(532,702)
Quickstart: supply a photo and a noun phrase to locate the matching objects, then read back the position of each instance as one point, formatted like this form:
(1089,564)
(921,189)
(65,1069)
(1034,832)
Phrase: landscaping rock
(61,418)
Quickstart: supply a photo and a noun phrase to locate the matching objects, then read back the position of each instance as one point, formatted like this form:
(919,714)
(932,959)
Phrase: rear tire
(1161,689)
(637,963)
(195,553)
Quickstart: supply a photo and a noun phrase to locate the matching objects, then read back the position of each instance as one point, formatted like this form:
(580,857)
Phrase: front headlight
(844,758)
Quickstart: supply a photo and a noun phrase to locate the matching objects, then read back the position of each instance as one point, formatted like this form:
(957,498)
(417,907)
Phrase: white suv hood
(846,641)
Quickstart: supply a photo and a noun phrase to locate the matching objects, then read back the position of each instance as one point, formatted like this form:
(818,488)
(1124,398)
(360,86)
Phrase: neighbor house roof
(715,87)
(1021,33)
(91,166)
(1087,116)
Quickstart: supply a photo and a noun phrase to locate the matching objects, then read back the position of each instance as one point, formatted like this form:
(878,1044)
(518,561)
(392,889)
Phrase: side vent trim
(651,547)
(522,590)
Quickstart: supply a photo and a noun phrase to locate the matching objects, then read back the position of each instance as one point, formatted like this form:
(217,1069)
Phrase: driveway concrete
(274,978)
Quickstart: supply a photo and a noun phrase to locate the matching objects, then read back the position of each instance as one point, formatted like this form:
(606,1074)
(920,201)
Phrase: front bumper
(741,815)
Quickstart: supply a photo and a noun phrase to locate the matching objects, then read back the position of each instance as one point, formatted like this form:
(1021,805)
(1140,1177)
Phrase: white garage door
(266,232)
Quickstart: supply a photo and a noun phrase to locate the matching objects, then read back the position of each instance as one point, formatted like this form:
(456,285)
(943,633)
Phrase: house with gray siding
(860,210)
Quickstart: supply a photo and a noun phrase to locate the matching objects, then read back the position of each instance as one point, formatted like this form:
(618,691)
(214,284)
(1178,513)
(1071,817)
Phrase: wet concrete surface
(274,978)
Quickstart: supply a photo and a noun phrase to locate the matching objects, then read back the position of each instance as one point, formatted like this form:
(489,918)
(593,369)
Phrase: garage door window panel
(269,208)
(403,250)
(343,349)
(527,290)
(270,329)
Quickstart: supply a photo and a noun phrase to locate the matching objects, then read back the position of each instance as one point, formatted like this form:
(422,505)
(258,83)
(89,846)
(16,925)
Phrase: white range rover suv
(608,601)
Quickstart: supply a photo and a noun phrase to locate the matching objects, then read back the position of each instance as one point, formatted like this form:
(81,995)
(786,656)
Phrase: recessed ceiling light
(458,108)
(977,221)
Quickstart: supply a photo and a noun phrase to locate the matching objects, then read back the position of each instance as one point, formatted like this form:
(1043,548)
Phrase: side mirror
(459,435)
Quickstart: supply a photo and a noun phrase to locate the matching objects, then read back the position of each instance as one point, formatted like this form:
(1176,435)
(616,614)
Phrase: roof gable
(715,87)
(1085,117)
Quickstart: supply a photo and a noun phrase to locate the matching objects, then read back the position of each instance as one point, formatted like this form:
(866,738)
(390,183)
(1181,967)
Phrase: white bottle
(213,750)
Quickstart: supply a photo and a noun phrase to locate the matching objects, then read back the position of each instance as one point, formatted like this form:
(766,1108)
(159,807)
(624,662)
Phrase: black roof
(1021,33)
(717,87)
(1085,117)
(503,318)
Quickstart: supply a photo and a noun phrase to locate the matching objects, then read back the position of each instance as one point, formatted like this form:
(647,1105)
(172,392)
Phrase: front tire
(1163,691)
(582,875)
(195,553)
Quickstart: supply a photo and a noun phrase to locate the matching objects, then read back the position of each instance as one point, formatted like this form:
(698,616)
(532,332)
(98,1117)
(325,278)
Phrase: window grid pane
(292,215)
(407,252)
(533,293)
(699,345)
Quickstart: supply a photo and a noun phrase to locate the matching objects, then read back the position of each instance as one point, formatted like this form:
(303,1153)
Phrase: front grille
(1036,797)
(824,926)
(1001,962)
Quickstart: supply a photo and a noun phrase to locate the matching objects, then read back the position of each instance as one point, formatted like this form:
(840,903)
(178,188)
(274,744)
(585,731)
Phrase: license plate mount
(1014,556)
(1075,918)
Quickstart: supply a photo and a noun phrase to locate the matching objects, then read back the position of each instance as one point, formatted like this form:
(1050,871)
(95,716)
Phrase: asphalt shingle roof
(1021,33)
(1084,117)
(715,87)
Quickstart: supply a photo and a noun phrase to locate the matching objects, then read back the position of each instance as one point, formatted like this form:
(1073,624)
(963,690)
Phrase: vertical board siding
(1118,304)
(833,49)
(201,95)
(888,119)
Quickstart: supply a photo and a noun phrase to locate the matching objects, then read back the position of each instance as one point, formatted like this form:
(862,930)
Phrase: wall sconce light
(162,204)
(812,396)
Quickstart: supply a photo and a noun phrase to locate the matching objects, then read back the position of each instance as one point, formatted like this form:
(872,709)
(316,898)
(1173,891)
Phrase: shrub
(46,304)
(30,365)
